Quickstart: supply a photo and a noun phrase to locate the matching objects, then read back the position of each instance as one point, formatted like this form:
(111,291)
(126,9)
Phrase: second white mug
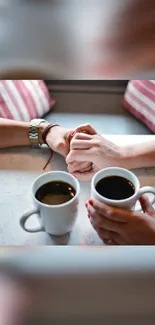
(128,203)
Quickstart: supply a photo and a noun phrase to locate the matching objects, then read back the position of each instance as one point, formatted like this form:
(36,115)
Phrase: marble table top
(19,168)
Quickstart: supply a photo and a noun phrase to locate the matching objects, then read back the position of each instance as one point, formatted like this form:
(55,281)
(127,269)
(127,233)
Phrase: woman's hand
(81,166)
(95,149)
(122,227)
(58,139)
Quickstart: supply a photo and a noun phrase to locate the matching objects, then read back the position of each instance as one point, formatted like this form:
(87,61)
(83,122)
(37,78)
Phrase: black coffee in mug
(115,188)
(55,193)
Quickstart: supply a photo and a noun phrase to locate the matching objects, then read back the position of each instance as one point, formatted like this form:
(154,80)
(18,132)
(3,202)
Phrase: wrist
(129,157)
(51,135)
(48,135)
(42,127)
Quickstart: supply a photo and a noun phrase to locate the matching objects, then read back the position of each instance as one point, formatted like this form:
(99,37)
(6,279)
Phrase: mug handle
(24,218)
(146,190)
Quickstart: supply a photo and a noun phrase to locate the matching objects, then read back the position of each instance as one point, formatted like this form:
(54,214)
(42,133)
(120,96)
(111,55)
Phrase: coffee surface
(55,193)
(115,188)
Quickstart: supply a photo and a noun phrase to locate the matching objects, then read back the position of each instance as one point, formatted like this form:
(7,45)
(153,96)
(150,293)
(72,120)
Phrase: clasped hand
(92,151)
(86,153)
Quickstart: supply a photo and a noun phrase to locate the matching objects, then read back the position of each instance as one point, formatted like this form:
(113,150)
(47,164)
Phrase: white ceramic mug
(54,219)
(129,203)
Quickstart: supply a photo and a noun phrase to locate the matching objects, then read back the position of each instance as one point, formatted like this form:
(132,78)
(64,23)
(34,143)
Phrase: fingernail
(91,202)
(72,134)
(86,205)
(89,215)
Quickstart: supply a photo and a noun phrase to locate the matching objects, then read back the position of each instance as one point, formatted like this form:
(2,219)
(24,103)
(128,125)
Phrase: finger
(147,206)
(79,167)
(115,238)
(84,144)
(86,128)
(84,177)
(80,155)
(103,234)
(112,213)
(82,136)
(86,170)
(81,144)
(102,222)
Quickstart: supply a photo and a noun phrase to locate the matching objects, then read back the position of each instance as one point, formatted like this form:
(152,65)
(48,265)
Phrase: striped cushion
(139,100)
(23,100)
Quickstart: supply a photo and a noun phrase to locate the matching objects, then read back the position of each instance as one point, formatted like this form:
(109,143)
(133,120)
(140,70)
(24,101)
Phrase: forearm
(15,134)
(140,155)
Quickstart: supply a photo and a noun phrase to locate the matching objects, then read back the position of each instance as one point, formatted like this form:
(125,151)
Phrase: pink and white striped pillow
(139,100)
(23,100)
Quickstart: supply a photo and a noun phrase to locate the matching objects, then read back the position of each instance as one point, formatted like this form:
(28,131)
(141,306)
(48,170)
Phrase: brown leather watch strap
(46,131)
(44,135)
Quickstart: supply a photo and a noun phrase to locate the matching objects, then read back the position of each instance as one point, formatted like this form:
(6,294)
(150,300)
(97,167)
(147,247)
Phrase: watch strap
(46,131)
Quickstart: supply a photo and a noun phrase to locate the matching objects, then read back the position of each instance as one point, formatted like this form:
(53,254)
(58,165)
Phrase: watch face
(34,132)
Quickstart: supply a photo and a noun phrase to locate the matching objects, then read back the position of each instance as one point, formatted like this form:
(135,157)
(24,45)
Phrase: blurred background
(108,286)
(86,51)
(77,39)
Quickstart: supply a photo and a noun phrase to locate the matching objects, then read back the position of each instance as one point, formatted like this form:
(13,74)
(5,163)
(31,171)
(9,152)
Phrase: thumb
(147,206)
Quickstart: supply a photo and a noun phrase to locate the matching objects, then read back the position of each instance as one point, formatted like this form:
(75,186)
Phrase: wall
(88,96)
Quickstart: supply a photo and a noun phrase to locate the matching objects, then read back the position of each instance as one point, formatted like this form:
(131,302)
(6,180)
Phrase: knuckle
(88,125)
(97,143)
(95,152)
(76,136)
(110,212)
(97,218)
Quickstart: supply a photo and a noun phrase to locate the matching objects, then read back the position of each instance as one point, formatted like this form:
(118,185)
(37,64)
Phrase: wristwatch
(34,132)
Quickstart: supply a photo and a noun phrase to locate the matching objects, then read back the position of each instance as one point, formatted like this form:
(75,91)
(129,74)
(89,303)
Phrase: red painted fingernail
(91,202)
(89,215)
(72,134)
(86,205)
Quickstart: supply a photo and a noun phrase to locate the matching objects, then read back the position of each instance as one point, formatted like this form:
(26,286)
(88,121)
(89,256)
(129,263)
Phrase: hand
(123,227)
(130,44)
(58,140)
(95,149)
(84,166)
